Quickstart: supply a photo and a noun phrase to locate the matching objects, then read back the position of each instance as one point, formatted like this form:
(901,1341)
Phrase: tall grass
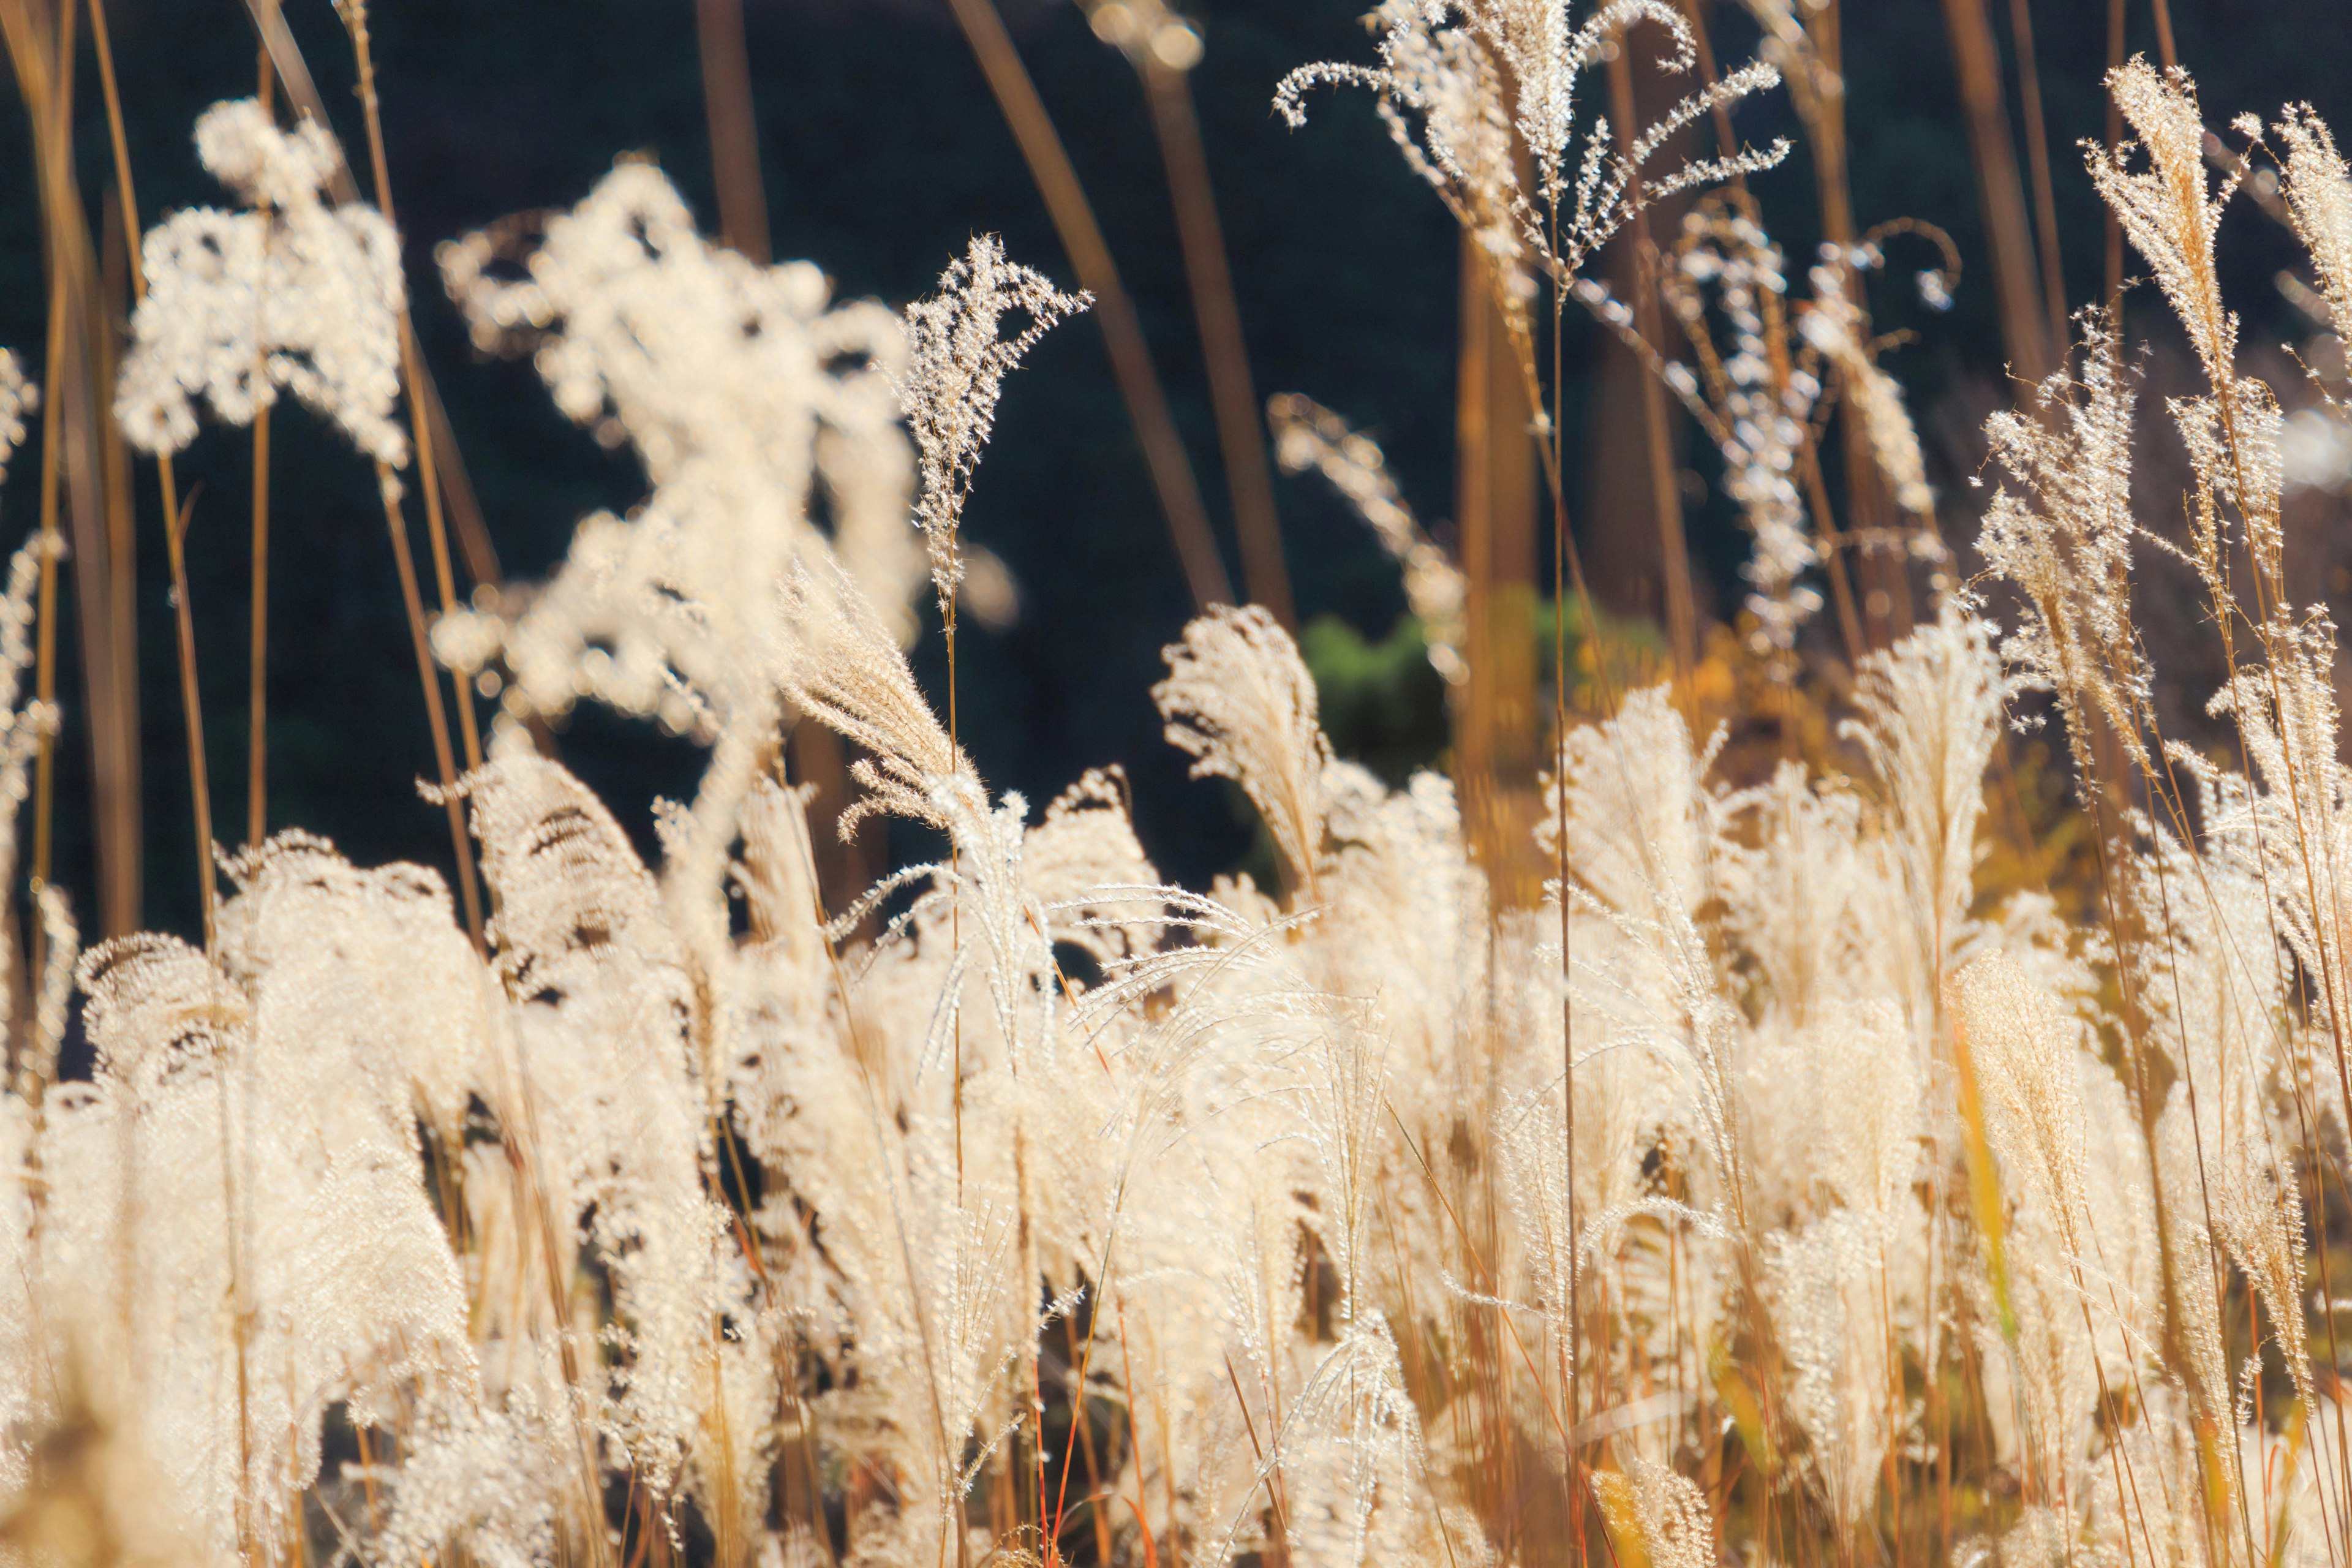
(1722,1158)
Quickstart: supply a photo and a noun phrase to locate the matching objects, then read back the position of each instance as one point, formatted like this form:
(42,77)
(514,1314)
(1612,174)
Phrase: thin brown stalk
(435,719)
(1975,58)
(1666,487)
(1249,1424)
(428,478)
(41,44)
(2037,158)
(1131,356)
(122,857)
(110,308)
(191,708)
(1571,1347)
(1135,1436)
(2168,57)
(256,754)
(734,131)
(1241,435)
(1494,513)
(457,489)
(109,690)
(436,530)
(45,668)
(175,520)
(441,459)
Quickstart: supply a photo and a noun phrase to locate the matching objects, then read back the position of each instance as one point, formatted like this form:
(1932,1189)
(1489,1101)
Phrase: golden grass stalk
(734,129)
(257,774)
(174,517)
(1082,239)
(286,62)
(355,12)
(1495,743)
(41,40)
(1241,437)
(1658,441)
(2024,314)
(2037,150)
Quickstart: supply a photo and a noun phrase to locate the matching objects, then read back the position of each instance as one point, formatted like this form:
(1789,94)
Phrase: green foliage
(1383,704)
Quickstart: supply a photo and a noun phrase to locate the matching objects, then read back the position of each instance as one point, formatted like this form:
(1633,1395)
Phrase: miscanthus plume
(1775,1189)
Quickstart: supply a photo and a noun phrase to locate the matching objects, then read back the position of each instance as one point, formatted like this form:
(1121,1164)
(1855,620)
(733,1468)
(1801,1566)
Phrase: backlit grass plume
(1770,1183)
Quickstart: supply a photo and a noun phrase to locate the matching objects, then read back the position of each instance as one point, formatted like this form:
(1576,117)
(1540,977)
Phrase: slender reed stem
(1241,435)
(427,473)
(1082,237)
(175,517)
(473,533)
(1665,487)
(45,77)
(2166,54)
(45,668)
(2037,158)
(257,763)
(191,704)
(435,719)
(1976,58)
(734,130)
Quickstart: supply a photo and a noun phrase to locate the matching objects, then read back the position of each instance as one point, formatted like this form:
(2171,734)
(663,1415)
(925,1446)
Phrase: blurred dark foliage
(882,152)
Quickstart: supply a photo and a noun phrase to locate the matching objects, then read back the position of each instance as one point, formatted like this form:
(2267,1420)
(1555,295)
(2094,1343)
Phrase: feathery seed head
(960,357)
(290,294)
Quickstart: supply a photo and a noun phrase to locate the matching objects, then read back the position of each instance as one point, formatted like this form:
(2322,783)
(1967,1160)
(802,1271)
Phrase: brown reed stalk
(286,60)
(734,130)
(455,488)
(110,309)
(108,684)
(2167,56)
(176,532)
(40,39)
(1114,313)
(1665,487)
(2037,156)
(1495,506)
(1976,60)
(428,479)
(45,676)
(1563,555)
(175,517)
(1241,435)
(256,752)
(435,719)
(447,462)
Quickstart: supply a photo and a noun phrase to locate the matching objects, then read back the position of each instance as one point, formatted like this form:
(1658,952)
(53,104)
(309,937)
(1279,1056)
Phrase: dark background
(882,152)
